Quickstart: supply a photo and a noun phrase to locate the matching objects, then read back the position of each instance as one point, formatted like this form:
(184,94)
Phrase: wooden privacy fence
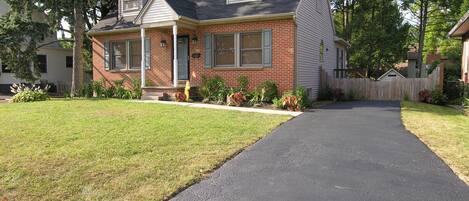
(396,89)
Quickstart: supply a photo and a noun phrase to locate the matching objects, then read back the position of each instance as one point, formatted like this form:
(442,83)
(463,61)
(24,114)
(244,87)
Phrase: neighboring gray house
(167,42)
(55,62)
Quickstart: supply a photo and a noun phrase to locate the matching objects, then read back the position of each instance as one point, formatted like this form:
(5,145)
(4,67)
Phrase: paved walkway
(345,152)
(223,107)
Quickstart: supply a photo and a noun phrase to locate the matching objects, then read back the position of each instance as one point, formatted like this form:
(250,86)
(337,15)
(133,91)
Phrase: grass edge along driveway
(444,130)
(112,149)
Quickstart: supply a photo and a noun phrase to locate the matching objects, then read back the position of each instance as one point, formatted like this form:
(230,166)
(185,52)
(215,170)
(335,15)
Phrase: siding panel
(159,11)
(314,26)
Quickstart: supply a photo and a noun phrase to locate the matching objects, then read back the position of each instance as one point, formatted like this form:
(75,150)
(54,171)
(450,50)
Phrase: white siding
(314,26)
(159,11)
(465,60)
(56,68)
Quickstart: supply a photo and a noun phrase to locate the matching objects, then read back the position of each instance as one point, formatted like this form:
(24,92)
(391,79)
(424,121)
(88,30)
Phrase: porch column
(175,61)
(142,65)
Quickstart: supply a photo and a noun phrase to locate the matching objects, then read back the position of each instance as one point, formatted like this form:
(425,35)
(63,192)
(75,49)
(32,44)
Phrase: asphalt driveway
(357,151)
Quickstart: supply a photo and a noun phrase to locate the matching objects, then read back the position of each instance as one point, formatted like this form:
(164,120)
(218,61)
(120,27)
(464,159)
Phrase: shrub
(110,92)
(26,94)
(243,83)
(278,103)
(236,99)
(337,94)
(438,97)
(303,98)
(406,97)
(465,102)
(98,88)
(425,96)
(86,91)
(136,88)
(351,95)
(180,97)
(256,97)
(291,103)
(120,91)
(325,94)
(268,90)
(213,89)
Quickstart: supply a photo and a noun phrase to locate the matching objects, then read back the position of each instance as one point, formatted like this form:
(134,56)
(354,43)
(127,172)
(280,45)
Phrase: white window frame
(128,56)
(237,50)
(139,5)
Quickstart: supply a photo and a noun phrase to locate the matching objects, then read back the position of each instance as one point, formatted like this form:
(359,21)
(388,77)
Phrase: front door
(183,58)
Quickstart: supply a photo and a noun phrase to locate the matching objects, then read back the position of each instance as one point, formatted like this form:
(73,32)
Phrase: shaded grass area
(111,149)
(445,130)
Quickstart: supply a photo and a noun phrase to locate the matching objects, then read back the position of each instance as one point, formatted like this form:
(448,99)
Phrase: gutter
(463,20)
(252,18)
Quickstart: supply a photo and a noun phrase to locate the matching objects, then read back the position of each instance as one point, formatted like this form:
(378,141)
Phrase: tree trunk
(422,29)
(78,67)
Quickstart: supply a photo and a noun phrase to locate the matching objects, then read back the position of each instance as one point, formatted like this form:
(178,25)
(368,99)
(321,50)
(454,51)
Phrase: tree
(376,31)
(20,35)
(20,38)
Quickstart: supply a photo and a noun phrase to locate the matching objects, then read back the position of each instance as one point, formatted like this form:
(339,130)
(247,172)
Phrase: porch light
(195,40)
(163,43)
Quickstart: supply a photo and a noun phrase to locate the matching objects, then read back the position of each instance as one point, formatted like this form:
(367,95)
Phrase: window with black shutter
(42,62)
(69,62)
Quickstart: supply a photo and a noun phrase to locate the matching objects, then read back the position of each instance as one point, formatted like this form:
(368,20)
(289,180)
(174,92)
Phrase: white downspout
(142,65)
(175,62)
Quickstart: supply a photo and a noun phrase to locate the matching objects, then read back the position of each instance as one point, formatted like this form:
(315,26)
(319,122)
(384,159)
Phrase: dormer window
(239,1)
(131,4)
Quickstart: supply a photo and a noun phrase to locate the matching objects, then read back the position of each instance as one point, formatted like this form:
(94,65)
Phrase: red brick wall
(160,74)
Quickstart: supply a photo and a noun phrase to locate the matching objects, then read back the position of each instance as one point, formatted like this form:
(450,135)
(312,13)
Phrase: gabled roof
(389,72)
(204,10)
(218,9)
(461,27)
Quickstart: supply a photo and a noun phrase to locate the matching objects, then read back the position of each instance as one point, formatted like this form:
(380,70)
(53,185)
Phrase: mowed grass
(116,150)
(445,130)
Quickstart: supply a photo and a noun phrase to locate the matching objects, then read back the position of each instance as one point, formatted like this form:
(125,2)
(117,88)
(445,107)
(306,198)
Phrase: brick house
(461,30)
(287,41)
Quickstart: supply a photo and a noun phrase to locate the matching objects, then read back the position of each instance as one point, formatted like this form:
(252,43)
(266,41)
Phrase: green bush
(269,91)
(278,103)
(256,97)
(213,89)
(351,95)
(438,97)
(99,88)
(26,94)
(325,94)
(120,91)
(86,91)
(243,83)
(303,98)
(136,88)
(465,102)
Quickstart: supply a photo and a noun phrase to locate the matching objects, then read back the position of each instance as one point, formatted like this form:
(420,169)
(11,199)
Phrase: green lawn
(445,130)
(111,149)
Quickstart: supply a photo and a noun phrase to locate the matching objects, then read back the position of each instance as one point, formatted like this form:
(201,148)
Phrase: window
(118,55)
(251,49)
(5,68)
(238,49)
(69,61)
(131,4)
(126,54)
(225,50)
(42,63)
(135,54)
